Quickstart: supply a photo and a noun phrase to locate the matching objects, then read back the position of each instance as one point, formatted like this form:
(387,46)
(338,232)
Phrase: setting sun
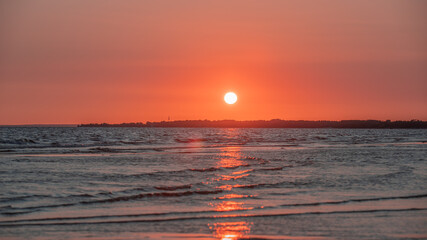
(230,98)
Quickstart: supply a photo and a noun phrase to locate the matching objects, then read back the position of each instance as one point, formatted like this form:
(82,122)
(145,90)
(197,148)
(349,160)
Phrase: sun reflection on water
(230,158)
(226,206)
(237,169)
(231,230)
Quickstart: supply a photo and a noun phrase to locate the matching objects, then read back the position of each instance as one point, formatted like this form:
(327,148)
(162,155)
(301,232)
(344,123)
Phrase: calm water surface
(133,183)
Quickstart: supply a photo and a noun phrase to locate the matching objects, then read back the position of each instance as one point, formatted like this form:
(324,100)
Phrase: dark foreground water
(133,183)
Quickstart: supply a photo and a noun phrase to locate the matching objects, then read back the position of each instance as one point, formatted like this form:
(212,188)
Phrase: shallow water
(132,183)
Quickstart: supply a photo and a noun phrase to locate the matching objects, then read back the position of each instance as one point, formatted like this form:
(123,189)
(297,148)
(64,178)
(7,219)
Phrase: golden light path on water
(230,158)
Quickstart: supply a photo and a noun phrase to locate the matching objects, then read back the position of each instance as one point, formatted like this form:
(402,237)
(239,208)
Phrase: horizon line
(76,124)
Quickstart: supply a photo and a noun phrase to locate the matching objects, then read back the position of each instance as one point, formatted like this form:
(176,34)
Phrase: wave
(41,222)
(103,149)
(5,207)
(6,150)
(187,170)
(85,147)
(197,192)
(106,216)
(149,195)
(223,140)
(211,169)
(173,188)
(18,141)
(118,147)
(118,199)
(168,194)
(354,200)
(236,196)
(191,140)
(250,186)
(208,169)
(320,138)
(271,169)
(132,142)
(260,160)
(19,212)
(21,198)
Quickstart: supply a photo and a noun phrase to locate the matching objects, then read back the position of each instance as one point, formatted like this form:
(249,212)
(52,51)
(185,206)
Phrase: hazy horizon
(177,120)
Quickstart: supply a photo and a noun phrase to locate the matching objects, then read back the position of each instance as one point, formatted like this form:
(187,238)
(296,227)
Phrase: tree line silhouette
(274,123)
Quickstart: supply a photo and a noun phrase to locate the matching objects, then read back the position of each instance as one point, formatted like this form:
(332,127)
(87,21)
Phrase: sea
(212,183)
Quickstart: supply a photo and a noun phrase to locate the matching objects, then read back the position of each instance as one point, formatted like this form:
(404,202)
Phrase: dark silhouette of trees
(274,123)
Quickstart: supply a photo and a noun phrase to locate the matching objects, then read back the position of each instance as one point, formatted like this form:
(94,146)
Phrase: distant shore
(39,125)
(274,123)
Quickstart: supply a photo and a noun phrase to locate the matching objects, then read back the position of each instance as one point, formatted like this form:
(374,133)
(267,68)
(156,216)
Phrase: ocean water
(212,183)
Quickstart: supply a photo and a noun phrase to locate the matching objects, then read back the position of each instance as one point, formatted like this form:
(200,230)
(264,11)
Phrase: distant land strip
(274,123)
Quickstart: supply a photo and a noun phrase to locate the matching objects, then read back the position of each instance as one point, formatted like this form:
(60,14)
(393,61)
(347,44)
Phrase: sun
(230,98)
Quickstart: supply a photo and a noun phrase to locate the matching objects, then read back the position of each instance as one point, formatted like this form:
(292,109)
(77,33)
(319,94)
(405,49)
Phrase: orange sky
(129,61)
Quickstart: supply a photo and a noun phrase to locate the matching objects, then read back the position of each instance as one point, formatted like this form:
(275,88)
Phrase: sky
(70,62)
